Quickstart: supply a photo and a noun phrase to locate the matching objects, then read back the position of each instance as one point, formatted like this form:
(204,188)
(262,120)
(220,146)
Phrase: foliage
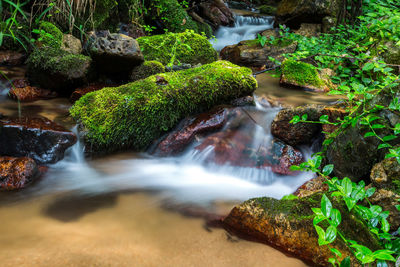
(176,48)
(355,52)
(135,114)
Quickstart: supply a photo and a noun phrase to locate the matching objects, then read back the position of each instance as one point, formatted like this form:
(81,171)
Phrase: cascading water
(245,28)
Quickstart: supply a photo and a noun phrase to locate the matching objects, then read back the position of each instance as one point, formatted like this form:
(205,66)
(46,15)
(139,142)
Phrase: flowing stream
(131,209)
(245,28)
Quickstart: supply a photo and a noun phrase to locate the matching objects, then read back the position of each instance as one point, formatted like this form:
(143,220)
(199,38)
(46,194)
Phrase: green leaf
(321,235)
(330,234)
(368,66)
(336,252)
(336,217)
(385,225)
(388,138)
(326,206)
(377,126)
(346,262)
(384,146)
(370,191)
(383,254)
(324,119)
(290,197)
(327,170)
(317,219)
(347,185)
(368,134)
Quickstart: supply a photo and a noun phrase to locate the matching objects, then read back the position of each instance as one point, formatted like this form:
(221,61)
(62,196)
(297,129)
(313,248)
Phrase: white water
(245,28)
(185,178)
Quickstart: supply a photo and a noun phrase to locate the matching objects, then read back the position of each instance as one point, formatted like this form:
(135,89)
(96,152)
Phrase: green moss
(204,28)
(187,47)
(173,15)
(135,114)
(301,73)
(147,69)
(57,61)
(299,211)
(267,10)
(50,35)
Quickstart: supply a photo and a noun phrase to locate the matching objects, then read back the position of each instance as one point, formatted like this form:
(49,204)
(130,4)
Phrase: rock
(243,101)
(300,133)
(271,33)
(115,53)
(309,30)
(288,225)
(201,49)
(11,58)
(304,75)
(37,138)
(388,200)
(237,5)
(251,54)
(295,12)
(217,13)
(311,187)
(235,148)
(16,173)
(81,91)
(354,155)
(49,36)
(71,44)
(335,113)
(135,114)
(177,141)
(29,94)
(328,23)
(147,69)
(57,70)
(386,175)
(20,83)
(131,30)
(392,53)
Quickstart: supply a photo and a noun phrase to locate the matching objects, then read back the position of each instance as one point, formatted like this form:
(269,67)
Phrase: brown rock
(38,138)
(217,13)
(335,113)
(16,173)
(309,30)
(388,200)
(29,94)
(71,44)
(11,58)
(300,133)
(19,83)
(81,91)
(311,187)
(205,122)
(251,54)
(288,225)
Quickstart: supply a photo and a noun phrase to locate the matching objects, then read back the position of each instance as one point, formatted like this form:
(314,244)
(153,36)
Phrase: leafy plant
(262,40)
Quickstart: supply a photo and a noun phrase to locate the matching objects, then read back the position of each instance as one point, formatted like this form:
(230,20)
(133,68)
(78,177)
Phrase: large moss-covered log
(288,225)
(173,48)
(133,115)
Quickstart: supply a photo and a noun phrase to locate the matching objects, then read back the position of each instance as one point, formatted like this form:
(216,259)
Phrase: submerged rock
(16,173)
(161,48)
(115,53)
(288,225)
(300,133)
(235,147)
(251,54)
(135,114)
(57,70)
(206,122)
(37,138)
(29,94)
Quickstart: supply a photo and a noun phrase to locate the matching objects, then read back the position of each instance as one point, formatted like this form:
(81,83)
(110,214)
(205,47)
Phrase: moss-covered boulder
(294,12)
(135,114)
(304,75)
(147,69)
(288,225)
(392,53)
(50,35)
(187,47)
(251,54)
(58,70)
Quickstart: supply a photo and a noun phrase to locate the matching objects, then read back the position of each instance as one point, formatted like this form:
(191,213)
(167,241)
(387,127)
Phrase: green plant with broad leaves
(354,196)
(262,40)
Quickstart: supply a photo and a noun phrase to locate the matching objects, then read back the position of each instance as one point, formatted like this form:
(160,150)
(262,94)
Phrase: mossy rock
(50,35)
(147,69)
(267,10)
(103,13)
(173,16)
(190,48)
(304,75)
(134,115)
(58,70)
(288,224)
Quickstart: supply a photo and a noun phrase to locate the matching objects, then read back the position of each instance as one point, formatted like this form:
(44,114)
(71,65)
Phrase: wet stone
(30,93)
(16,173)
(38,138)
